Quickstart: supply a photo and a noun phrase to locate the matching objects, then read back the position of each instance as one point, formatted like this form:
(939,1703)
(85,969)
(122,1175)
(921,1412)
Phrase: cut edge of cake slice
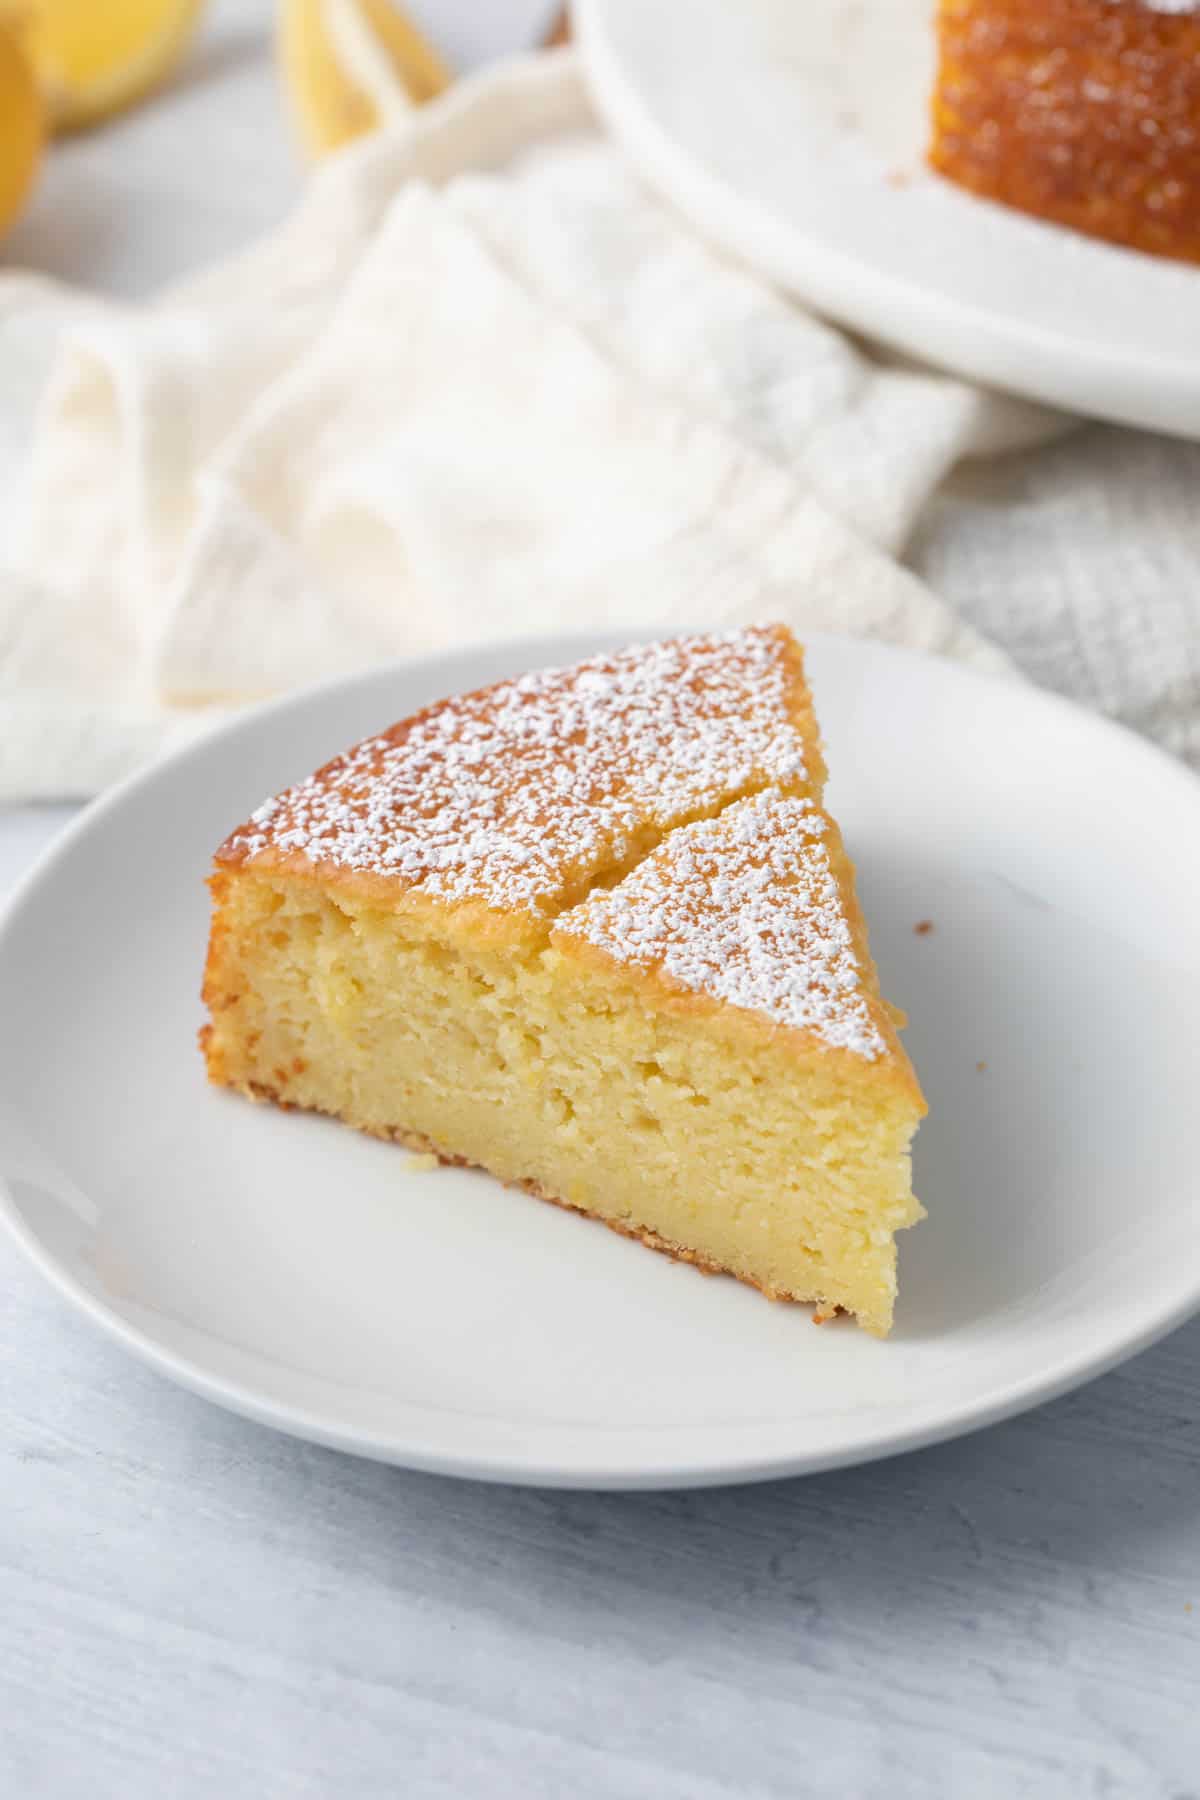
(431,939)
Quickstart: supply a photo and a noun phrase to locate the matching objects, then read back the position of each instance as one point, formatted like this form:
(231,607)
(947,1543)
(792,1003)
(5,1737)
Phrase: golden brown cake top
(753,908)
(523,795)
(1081,112)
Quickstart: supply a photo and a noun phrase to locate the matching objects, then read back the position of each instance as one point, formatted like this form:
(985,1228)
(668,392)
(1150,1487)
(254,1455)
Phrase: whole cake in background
(1083,112)
(593,930)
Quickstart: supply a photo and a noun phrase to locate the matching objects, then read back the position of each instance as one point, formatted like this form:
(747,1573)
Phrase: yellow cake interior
(558,1046)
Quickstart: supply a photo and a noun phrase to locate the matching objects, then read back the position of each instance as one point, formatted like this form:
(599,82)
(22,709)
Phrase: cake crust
(519,798)
(1081,112)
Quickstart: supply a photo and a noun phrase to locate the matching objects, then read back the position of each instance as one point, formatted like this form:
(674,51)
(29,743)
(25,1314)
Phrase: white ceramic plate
(322,1283)
(793,132)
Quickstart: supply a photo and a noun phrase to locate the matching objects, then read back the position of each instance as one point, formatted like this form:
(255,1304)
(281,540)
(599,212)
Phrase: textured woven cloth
(483,385)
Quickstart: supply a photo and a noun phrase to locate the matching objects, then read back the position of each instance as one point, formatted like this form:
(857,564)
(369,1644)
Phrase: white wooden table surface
(192,1607)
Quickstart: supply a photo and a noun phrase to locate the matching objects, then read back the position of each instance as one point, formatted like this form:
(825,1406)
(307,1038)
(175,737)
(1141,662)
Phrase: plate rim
(1030,362)
(875,1443)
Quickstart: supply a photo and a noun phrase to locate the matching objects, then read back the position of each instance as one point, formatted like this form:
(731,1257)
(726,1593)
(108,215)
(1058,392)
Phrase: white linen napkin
(480,385)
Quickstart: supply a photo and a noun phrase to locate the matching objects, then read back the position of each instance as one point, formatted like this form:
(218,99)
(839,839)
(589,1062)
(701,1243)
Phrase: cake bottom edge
(824,1311)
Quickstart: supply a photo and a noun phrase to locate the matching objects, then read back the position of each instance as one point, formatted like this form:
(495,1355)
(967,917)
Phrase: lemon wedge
(93,57)
(352,65)
(20,126)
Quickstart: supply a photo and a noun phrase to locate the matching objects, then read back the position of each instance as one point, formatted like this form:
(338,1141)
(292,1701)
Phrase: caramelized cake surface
(1083,112)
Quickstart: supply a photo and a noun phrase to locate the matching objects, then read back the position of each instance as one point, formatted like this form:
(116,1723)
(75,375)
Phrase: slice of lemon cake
(592,930)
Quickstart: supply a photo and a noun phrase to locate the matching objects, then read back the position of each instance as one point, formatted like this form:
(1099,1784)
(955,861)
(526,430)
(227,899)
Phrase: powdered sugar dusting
(745,908)
(523,794)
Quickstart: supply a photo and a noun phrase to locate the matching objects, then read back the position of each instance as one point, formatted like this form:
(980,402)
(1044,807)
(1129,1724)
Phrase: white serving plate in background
(793,131)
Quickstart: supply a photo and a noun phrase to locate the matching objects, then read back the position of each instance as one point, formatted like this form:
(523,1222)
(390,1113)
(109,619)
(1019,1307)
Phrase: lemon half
(20,126)
(352,65)
(93,57)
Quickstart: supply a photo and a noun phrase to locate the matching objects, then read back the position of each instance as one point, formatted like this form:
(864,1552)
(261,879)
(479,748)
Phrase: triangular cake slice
(592,930)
